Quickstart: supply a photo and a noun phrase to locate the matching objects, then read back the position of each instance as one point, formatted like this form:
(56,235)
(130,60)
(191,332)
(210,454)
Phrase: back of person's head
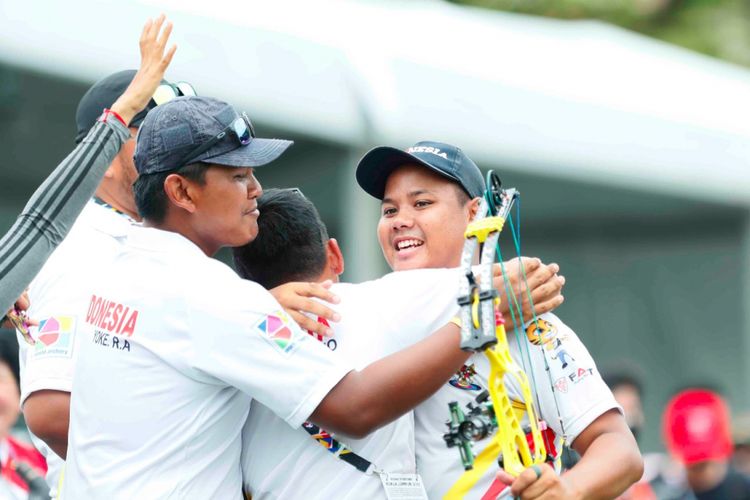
(697,428)
(624,373)
(291,241)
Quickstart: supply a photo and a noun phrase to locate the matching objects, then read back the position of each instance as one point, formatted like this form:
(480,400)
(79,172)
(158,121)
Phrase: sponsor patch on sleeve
(54,337)
(277,329)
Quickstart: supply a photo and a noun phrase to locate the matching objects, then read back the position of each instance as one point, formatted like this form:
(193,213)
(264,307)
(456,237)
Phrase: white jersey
(378,318)
(173,348)
(57,293)
(578,398)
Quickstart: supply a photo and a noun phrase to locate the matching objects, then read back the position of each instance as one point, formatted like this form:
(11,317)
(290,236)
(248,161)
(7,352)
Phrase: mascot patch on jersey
(464,379)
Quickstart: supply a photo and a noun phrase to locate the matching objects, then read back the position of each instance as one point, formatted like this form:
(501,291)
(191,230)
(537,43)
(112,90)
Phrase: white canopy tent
(579,100)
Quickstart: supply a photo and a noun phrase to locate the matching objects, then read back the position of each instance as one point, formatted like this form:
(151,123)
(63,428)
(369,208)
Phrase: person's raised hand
(297,299)
(154,62)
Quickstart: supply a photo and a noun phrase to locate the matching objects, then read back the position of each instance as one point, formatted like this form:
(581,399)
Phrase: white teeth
(408,244)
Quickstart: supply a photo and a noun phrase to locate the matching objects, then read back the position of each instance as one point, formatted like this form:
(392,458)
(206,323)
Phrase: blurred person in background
(663,478)
(22,468)
(697,432)
(741,433)
(57,293)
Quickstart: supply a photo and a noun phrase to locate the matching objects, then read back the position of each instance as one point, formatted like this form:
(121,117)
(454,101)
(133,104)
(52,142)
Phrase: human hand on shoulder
(539,482)
(543,281)
(16,316)
(297,299)
(154,62)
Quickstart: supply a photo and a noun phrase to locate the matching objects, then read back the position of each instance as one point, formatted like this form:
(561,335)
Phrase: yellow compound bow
(482,330)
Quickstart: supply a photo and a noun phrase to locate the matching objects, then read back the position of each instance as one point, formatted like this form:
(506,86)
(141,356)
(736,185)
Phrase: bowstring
(516,233)
(516,310)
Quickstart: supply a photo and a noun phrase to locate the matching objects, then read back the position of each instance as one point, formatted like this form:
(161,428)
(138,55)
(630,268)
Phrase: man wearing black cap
(429,193)
(56,292)
(174,346)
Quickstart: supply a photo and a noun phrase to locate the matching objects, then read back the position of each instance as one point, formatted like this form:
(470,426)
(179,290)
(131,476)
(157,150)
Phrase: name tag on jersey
(403,486)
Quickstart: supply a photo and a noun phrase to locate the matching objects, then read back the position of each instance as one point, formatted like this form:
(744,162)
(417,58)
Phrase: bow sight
(475,424)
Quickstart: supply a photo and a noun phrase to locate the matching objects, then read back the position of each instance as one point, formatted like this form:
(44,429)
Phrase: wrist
(570,487)
(124,110)
(110,114)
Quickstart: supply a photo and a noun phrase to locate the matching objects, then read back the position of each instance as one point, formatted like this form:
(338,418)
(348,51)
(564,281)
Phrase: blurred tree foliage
(720,28)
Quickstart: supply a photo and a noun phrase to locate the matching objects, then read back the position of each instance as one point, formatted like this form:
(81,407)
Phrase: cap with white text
(449,161)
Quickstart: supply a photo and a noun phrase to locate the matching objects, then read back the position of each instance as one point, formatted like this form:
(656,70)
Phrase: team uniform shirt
(57,294)
(569,399)
(378,318)
(173,347)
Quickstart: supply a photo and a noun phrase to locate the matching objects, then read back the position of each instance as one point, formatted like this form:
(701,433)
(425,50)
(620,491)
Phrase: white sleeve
(48,363)
(572,394)
(253,345)
(408,305)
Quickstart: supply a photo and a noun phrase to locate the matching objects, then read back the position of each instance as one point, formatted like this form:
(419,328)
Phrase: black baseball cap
(172,130)
(449,161)
(102,95)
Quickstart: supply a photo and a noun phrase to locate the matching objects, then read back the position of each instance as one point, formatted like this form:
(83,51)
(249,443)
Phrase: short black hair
(150,197)
(461,195)
(291,241)
(621,374)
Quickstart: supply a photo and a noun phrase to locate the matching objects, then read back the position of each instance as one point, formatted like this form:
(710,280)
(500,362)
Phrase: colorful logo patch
(579,374)
(562,385)
(55,337)
(541,332)
(275,328)
(463,379)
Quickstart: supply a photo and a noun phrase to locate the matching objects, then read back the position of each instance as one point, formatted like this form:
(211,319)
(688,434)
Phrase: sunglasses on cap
(163,94)
(168,91)
(241,127)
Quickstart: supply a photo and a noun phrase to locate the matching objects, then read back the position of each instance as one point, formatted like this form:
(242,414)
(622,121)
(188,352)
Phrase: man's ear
(335,257)
(181,192)
(473,208)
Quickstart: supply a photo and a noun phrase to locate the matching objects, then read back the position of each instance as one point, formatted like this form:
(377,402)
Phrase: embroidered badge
(275,328)
(463,379)
(54,337)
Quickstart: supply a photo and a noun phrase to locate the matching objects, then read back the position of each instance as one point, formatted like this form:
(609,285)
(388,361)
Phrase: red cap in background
(697,427)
